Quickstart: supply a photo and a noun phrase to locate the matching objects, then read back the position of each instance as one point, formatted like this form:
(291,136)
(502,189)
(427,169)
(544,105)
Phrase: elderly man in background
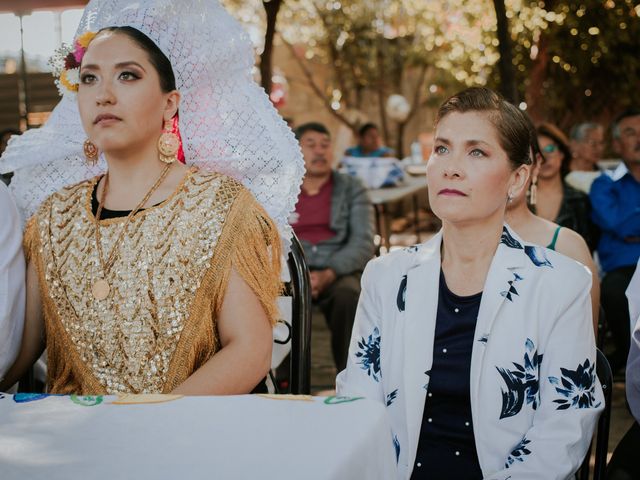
(615,200)
(12,281)
(334,222)
(587,147)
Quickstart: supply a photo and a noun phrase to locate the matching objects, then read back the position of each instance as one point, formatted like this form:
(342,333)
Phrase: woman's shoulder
(556,268)
(215,191)
(571,244)
(214,184)
(549,266)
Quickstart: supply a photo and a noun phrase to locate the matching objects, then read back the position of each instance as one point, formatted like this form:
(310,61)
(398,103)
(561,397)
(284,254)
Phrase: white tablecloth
(242,437)
(410,186)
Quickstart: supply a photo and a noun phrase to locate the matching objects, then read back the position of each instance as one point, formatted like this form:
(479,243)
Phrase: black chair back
(602,329)
(603,370)
(299,289)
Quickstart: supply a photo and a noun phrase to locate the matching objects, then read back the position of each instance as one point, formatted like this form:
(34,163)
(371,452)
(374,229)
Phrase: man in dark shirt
(334,222)
(615,199)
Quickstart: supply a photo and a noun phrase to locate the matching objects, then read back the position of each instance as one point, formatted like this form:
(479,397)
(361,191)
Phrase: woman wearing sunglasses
(537,230)
(556,201)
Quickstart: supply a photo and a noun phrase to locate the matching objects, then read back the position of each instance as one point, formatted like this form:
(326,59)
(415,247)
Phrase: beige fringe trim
(250,244)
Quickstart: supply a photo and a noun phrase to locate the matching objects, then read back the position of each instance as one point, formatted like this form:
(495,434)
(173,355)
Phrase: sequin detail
(127,342)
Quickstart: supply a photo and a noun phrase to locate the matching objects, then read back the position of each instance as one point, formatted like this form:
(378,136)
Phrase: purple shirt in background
(633,363)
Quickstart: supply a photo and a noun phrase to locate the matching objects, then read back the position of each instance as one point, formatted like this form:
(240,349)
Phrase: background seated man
(615,200)
(369,143)
(587,147)
(334,222)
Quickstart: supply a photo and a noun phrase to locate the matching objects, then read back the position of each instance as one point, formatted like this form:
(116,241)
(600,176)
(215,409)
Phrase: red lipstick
(451,192)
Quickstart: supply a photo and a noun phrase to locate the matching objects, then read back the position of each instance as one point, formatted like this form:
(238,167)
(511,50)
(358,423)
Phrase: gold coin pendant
(100,289)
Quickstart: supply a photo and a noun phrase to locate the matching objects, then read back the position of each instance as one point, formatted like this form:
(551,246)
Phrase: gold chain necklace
(100,289)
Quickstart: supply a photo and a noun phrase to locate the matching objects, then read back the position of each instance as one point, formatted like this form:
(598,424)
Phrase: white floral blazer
(535,397)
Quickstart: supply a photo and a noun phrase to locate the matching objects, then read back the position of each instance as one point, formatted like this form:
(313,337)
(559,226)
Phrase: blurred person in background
(615,196)
(587,145)
(556,200)
(369,143)
(334,222)
(535,229)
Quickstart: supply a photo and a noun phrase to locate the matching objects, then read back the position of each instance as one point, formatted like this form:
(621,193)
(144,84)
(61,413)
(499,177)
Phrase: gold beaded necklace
(100,288)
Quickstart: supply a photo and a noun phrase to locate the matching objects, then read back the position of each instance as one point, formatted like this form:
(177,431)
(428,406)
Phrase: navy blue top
(615,200)
(446,447)
(106,213)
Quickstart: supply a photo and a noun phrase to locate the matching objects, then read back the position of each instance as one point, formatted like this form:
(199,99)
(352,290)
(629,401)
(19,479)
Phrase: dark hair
(511,123)
(310,127)
(9,131)
(560,139)
(534,145)
(365,128)
(158,59)
(615,125)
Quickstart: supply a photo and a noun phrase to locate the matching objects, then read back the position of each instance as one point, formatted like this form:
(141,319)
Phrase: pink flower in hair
(78,53)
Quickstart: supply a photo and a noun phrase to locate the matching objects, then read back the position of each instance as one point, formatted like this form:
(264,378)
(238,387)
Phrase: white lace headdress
(227,122)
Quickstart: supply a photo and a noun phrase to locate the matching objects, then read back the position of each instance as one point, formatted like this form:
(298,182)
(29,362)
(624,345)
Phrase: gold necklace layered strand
(100,289)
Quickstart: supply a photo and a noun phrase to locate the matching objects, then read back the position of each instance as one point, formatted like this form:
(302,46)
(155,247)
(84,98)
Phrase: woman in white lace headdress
(154,277)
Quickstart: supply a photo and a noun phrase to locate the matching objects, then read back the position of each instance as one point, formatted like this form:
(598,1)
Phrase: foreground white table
(242,437)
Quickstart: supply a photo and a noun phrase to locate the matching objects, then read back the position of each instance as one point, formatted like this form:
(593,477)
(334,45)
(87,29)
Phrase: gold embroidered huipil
(158,324)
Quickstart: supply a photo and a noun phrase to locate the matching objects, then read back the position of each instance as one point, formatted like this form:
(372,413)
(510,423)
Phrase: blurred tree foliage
(572,60)
(375,49)
(577,60)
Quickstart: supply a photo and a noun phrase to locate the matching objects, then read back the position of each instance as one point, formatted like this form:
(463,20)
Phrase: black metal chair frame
(602,328)
(299,288)
(603,370)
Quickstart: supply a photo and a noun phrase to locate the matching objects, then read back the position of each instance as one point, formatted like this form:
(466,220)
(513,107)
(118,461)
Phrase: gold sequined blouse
(158,324)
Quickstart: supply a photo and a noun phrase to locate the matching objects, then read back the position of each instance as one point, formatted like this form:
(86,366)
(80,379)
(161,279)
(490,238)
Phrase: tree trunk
(382,97)
(508,86)
(317,90)
(534,94)
(383,114)
(271,8)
